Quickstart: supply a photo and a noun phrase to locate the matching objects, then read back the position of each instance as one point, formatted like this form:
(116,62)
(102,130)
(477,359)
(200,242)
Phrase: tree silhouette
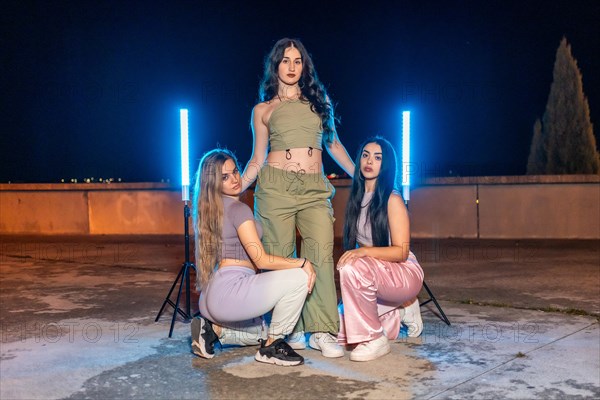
(536,164)
(565,142)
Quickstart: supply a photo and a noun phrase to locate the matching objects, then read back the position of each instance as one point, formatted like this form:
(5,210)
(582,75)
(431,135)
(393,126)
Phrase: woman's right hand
(312,276)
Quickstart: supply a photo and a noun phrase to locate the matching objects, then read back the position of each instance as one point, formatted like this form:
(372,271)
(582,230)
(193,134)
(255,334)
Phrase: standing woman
(379,275)
(232,296)
(291,125)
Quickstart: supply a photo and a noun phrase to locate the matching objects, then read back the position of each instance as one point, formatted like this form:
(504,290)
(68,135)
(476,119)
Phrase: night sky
(93,88)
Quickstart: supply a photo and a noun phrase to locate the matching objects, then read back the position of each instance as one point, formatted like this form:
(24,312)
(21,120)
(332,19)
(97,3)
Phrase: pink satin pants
(373,292)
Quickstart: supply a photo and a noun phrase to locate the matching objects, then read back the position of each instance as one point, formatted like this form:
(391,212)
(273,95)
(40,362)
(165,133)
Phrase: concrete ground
(77,321)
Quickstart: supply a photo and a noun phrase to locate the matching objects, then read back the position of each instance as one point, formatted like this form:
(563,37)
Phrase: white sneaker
(367,351)
(412,319)
(297,340)
(327,344)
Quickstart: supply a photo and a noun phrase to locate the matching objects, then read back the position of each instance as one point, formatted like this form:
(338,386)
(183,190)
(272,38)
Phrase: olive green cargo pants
(288,199)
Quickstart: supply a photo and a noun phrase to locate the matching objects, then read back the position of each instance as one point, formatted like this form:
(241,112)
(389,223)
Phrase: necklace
(282,99)
(283,93)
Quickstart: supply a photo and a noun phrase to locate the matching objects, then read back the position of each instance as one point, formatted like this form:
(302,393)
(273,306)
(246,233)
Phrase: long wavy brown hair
(207,213)
(311,87)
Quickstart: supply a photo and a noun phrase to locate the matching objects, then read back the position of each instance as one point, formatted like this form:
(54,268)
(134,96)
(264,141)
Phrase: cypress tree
(536,164)
(566,128)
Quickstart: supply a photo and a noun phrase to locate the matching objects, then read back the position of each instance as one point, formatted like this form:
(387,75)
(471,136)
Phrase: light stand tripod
(184,272)
(406,173)
(429,292)
(182,276)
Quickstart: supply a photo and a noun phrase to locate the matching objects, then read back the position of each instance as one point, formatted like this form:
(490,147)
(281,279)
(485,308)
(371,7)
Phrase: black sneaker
(278,353)
(203,338)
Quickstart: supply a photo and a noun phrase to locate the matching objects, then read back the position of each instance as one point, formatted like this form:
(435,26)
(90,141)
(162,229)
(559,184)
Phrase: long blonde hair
(207,213)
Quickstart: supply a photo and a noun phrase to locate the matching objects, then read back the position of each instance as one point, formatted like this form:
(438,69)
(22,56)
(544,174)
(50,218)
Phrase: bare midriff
(230,262)
(305,158)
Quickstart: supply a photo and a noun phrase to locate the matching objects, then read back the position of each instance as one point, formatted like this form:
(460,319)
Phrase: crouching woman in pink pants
(379,276)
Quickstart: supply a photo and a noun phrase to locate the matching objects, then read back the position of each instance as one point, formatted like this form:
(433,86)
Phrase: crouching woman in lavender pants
(233,297)
(379,276)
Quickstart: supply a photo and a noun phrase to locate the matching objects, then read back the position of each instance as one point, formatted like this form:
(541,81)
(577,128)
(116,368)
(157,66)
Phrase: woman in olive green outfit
(296,120)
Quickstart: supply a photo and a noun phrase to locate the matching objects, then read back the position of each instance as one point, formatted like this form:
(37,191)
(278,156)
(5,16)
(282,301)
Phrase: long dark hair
(310,86)
(378,208)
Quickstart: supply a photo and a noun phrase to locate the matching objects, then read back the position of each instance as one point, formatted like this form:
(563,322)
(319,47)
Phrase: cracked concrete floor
(77,321)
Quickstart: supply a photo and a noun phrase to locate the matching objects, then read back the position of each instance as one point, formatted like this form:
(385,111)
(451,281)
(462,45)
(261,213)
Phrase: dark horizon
(93,89)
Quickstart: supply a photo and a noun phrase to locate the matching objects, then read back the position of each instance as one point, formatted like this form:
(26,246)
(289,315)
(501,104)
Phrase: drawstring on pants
(297,177)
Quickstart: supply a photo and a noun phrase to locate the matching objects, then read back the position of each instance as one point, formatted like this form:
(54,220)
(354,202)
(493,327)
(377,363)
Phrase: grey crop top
(294,125)
(235,213)
(364,236)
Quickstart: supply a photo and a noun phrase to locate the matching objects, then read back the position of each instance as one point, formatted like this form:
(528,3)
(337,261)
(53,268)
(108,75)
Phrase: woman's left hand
(350,256)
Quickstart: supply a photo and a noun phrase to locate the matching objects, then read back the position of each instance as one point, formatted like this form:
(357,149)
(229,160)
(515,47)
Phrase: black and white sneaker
(203,338)
(278,353)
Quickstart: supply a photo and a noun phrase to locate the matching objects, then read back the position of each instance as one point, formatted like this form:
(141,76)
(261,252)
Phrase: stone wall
(561,207)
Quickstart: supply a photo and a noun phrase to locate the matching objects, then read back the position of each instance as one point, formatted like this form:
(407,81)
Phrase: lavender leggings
(236,298)
(373,292)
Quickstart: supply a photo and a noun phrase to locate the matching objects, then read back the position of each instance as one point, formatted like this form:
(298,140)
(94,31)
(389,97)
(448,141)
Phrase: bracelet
(302,266)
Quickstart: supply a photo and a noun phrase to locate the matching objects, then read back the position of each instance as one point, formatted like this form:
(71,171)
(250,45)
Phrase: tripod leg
(432,298)
(168,298)
(176,305)
(188,308)
(183,275)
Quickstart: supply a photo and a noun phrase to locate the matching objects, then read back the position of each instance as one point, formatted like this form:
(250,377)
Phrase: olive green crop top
(293,125)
